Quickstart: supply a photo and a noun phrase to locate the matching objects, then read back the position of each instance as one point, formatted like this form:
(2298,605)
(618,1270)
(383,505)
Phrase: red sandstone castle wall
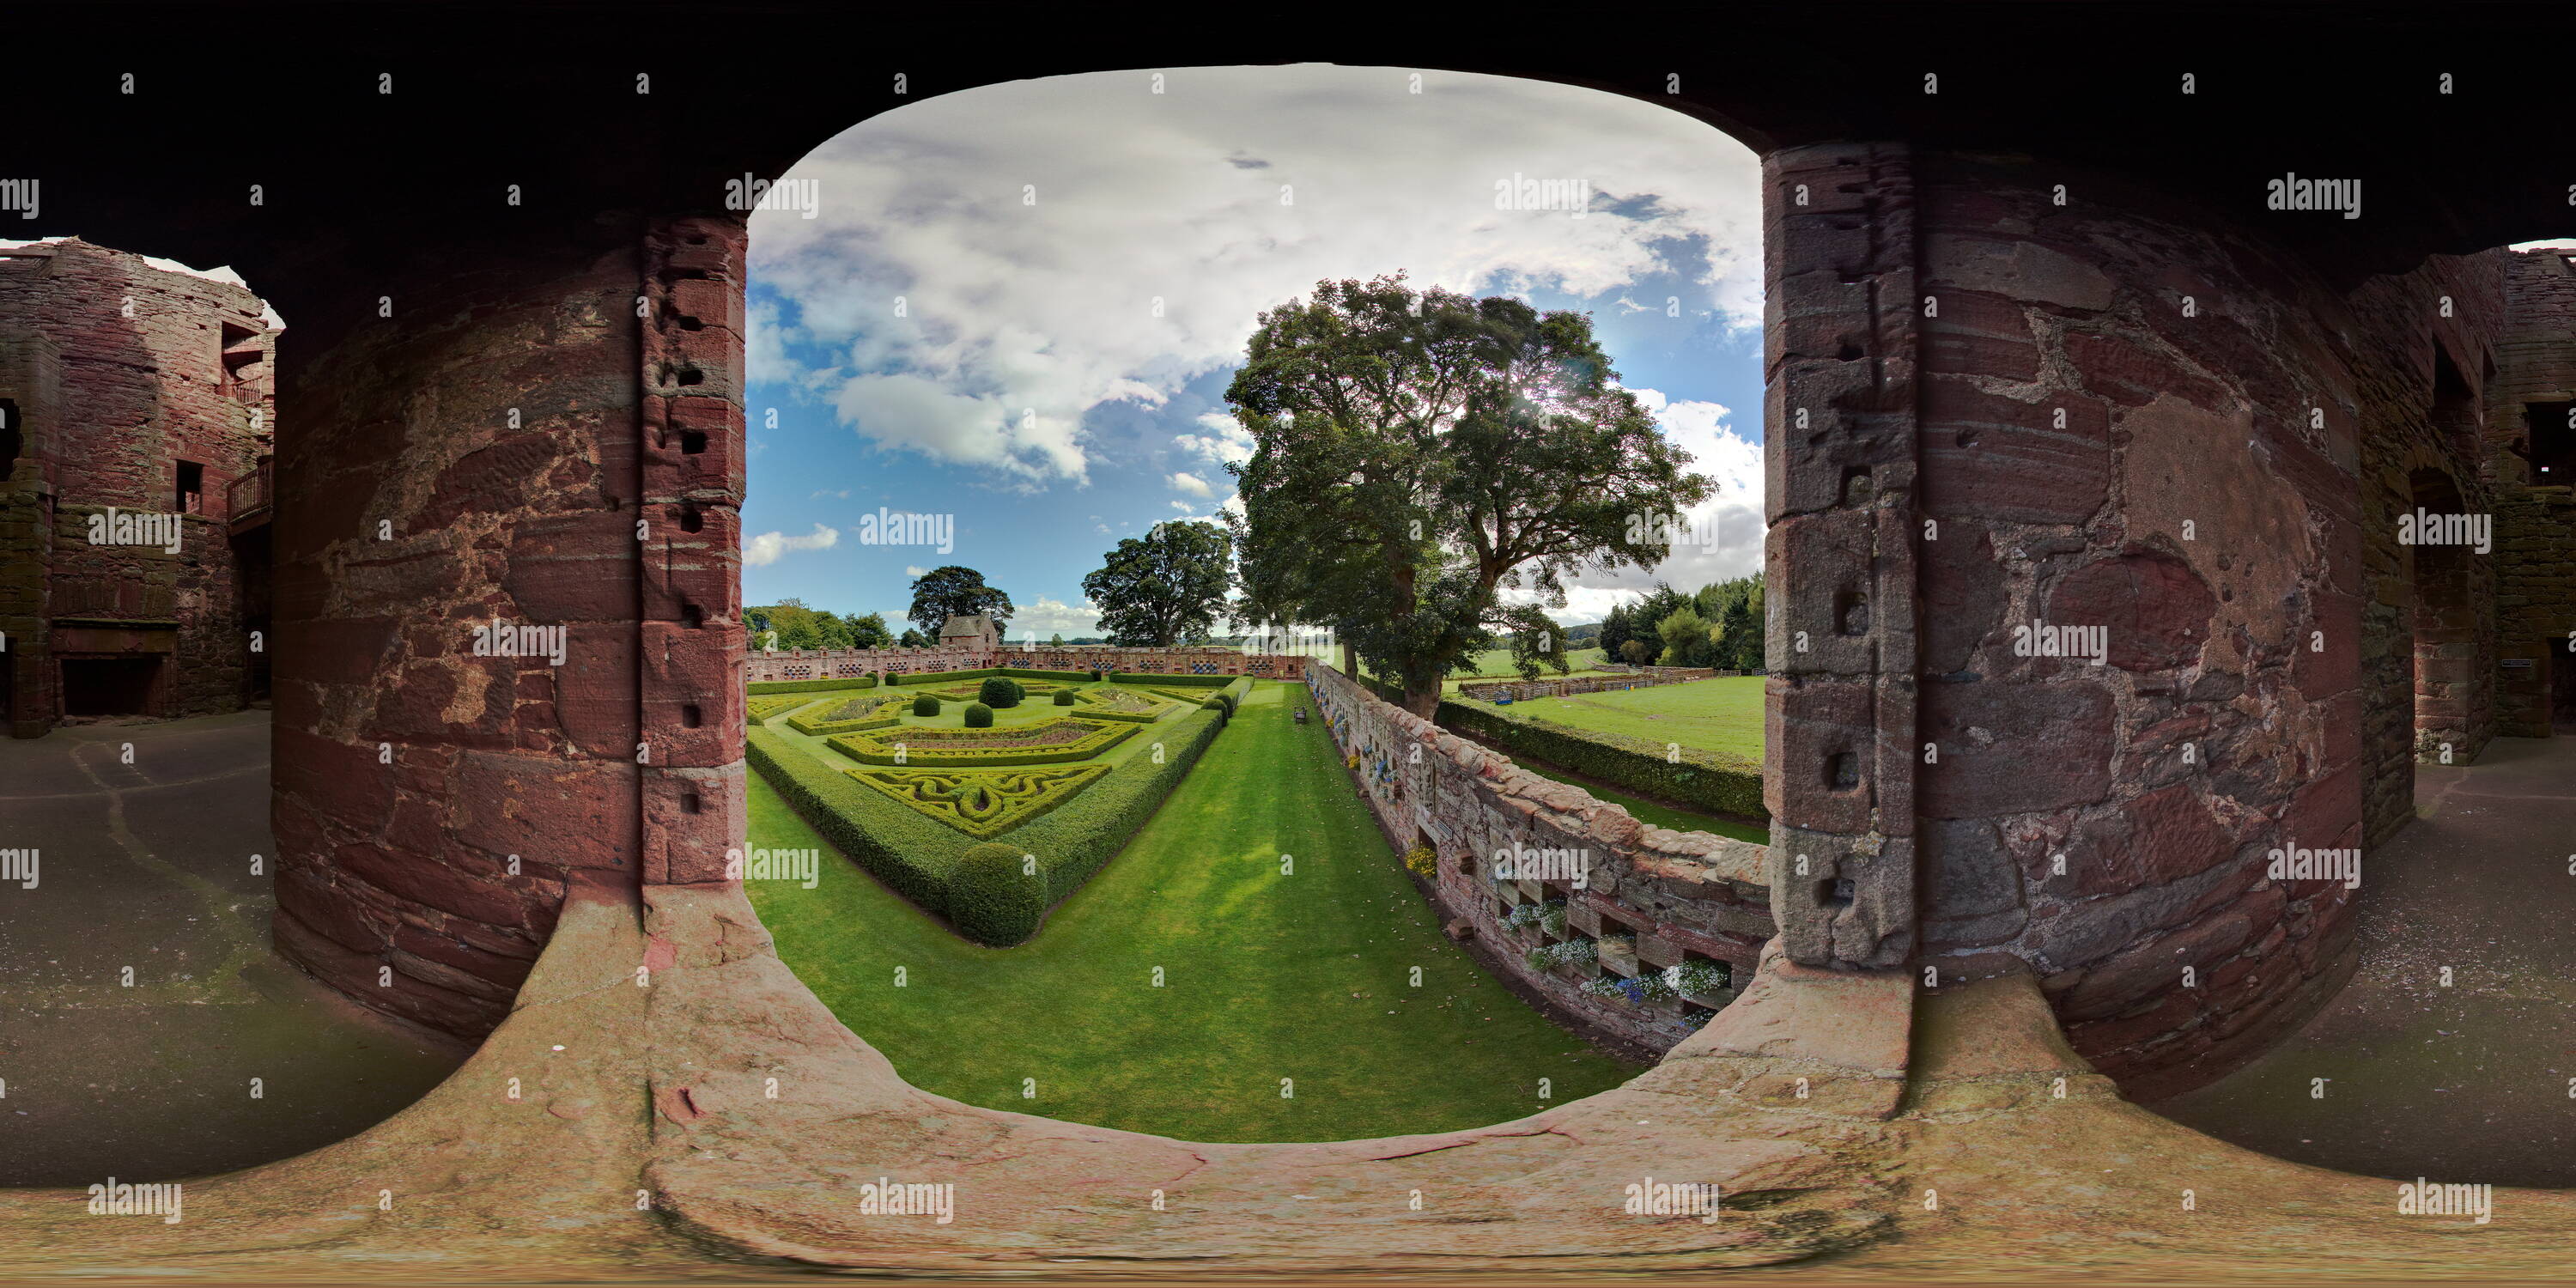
(2215,732)
(490,455)
(141,383)
(2535,514)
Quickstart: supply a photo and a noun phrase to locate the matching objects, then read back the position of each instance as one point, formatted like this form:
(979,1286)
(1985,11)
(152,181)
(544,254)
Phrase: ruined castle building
(136,421)
(2040,355)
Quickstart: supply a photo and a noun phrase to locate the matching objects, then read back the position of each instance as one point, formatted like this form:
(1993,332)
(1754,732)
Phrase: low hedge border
(1072,779)
(815,686)
(1023,673)
(914,854)
(1708,780)
(936,677)
(828,728)
(1177,681)
(924,751)
(878,717)
(762,708)
(901,846)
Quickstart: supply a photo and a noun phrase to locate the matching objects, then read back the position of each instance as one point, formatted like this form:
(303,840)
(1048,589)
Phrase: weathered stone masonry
(2135,417)
(1680,895)
(537,455)
(130,383)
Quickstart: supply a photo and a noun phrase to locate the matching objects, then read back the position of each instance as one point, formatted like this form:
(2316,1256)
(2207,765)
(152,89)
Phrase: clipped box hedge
(923,750)
(899,845)
(1703,779)
(827,728)
(937,677)
(763,707)
(815,686)
(1024,673)
(915,854)
(1079,838)
(1176,681)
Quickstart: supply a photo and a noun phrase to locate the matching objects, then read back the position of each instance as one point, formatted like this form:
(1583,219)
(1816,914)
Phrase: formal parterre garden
(908,778)
(1254,964)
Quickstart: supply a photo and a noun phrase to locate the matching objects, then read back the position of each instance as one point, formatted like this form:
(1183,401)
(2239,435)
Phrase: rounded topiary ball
(1064,697)
(926,705)
(998,691)
(978,716)
(994,898)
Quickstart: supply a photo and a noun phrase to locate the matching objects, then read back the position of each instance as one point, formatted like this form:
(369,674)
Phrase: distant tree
(1164,587)
(1686,638)
(1739,637)
(1614,632)
(952,591)
(799,632)
(913,639)
(1635,653)
(1056,640)
(756,621)
(870,631)
(1415,453)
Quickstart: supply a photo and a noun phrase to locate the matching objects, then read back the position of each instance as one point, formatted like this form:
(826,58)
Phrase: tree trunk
(1423,701)
(1350,664)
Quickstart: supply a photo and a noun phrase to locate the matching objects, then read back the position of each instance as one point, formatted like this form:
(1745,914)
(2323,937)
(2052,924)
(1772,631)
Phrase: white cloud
(1045,616)
(1192,484)
(1162,224)
(1225,442)
(1732,516)
(915,573)
(768,546)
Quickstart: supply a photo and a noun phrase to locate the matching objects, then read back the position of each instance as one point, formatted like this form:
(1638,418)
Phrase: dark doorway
(109,686)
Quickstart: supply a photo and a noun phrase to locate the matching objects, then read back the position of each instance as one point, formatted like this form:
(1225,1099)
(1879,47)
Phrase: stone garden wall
(1523,691)
(1682,896)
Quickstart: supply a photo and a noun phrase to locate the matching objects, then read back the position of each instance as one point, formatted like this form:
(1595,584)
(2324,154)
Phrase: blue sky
(1020,305)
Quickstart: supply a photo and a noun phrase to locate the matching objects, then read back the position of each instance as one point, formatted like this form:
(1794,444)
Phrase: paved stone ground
(2473,1081)
(146,866)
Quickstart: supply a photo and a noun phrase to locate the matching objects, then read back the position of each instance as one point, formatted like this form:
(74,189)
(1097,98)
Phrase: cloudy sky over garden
(970,324)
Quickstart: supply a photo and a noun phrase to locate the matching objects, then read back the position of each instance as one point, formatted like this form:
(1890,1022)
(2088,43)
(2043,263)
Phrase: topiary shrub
(1000,691)
(1064,697)
(926,705)
(978,716)
(994,897)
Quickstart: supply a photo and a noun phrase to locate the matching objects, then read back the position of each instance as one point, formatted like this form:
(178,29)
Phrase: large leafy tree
(1163,588)
(942,593)
(1418,453)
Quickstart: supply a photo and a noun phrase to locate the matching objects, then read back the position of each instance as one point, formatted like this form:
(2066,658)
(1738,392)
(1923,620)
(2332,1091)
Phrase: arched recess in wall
(153,1030)
(959,311)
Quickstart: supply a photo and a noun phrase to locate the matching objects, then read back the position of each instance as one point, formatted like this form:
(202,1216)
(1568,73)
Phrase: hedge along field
(1665,768)
(1304,976)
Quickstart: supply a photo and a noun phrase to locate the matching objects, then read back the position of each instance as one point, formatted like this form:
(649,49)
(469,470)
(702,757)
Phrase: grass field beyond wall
(1722,715)
(1266,976)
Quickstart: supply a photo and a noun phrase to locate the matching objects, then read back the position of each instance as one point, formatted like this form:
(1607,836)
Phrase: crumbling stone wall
(137,369)
(2141,418)
(525,456)
(2535,513)
(1681,895)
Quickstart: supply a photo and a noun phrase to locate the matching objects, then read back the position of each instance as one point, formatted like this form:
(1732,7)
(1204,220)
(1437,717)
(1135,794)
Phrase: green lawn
(1304,976)
(1716,715)
(1680,820)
